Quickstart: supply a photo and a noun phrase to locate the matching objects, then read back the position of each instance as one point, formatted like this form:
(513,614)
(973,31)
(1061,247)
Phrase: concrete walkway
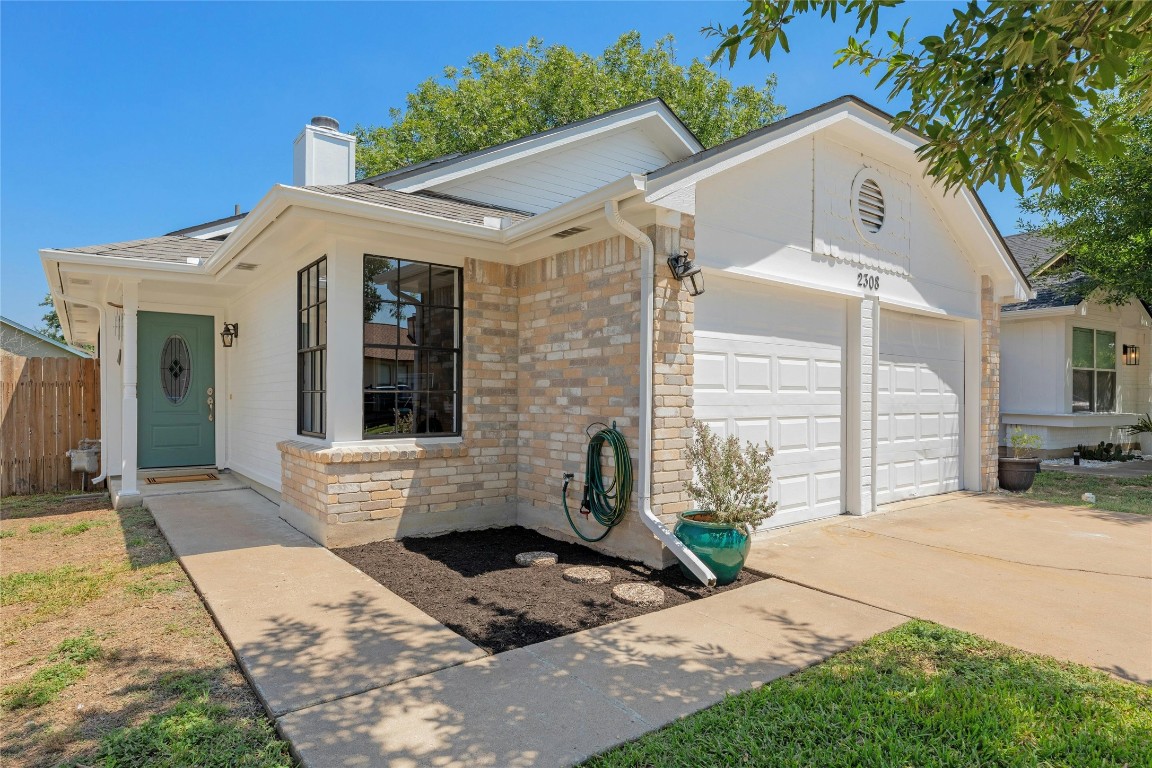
(355,676)
(559,702)
(1070,582)
(306,626)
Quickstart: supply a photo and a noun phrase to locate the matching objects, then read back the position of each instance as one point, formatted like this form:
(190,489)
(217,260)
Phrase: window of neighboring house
(1093,370)
(412,372)
(311,345)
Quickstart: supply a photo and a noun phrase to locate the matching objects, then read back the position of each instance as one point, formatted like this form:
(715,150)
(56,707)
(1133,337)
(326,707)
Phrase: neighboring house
(423,350)
(1073,371)
(22,341)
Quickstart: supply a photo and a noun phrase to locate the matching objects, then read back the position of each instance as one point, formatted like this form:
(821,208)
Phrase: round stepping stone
(638,594)
(537,559)
(586,574)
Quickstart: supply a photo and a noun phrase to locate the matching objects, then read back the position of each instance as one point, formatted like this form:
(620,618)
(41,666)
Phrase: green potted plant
(1018,472)
(730,484)
(1143,426)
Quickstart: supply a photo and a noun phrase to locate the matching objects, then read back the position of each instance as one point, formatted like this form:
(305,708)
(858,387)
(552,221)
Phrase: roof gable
(543,171)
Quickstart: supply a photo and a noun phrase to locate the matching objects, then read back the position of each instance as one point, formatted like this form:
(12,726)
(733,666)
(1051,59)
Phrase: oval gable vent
(870,206)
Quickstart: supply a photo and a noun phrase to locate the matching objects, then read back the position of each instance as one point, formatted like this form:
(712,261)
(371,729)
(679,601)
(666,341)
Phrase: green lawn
(1113,494)
(919,695)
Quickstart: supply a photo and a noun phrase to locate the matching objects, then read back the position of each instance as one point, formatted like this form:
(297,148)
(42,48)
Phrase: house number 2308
(870,282)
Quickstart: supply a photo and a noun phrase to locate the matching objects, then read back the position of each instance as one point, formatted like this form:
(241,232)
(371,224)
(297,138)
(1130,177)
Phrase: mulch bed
(470,583)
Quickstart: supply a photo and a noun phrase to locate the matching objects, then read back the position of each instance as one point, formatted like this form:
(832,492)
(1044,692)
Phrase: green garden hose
(607,503)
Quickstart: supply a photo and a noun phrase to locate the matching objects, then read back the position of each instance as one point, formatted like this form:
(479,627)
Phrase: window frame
(304,354)
(457,351)
(1093,371)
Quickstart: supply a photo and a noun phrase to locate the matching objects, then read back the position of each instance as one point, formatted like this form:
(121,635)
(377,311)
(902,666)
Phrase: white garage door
(769,367)
(920,388)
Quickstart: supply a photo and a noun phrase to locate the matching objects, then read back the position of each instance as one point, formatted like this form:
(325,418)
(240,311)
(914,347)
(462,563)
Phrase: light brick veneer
(345,496)
(989,386)
(549,348)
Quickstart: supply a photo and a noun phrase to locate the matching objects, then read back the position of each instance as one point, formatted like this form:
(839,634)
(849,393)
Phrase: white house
(1073,369)
(423,350)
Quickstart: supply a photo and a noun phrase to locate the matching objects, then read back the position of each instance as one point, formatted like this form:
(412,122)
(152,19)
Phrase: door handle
(211,405)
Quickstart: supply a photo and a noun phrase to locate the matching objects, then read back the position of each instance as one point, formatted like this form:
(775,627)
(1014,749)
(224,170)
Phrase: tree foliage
(514,92)
(1104,221)
(51,322)
(1003,92)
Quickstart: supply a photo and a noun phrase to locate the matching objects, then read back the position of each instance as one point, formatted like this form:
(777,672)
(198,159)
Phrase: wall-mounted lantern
(686,271)
(1131,354)
(230,333)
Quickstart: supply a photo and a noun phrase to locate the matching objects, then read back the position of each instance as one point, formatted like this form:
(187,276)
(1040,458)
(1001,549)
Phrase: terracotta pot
(1018,474)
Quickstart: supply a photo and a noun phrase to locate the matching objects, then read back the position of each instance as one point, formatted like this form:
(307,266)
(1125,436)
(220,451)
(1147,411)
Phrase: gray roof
(431,204)
(406,171)
(214,222)
(1032,251)
(172,249)
(1058,290)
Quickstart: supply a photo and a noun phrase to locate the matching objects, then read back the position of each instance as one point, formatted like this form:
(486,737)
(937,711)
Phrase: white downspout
(101,343)
(644,485)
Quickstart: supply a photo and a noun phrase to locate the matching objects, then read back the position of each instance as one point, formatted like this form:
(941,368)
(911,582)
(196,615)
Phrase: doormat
(182,479)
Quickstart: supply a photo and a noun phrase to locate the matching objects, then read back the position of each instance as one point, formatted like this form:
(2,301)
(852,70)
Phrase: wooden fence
(50,404)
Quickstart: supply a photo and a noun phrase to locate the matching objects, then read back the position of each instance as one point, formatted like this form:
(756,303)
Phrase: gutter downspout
(644,485)
(101,342)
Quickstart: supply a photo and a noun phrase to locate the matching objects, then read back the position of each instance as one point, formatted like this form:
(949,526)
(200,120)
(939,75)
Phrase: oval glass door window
(175,369)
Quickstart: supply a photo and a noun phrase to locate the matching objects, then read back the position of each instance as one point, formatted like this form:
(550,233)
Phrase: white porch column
(860,410)
(130,413)
(345,344)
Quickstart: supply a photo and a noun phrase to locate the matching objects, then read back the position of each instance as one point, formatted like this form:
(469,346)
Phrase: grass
(43,686)
(54,591)
(1113,494)
(918,695)
(157,686)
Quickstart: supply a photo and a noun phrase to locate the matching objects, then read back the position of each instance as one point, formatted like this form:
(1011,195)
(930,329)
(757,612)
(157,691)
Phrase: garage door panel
(920,381)
(782,383)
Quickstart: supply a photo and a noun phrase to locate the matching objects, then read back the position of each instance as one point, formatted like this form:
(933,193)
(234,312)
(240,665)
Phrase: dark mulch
(470,582)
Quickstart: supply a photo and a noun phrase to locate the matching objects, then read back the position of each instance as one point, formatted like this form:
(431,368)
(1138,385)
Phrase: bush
(729,481)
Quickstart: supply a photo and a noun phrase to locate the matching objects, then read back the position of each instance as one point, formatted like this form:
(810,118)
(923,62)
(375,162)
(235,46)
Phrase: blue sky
(127,120)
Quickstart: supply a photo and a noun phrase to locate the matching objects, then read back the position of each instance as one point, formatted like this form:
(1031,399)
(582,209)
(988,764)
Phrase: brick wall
(989,386)
(346,496)
(550,347)
(673,340)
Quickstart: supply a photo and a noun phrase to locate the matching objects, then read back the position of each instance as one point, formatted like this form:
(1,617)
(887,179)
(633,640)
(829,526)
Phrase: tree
(1104,221)
(515,92)
(51,322)
(1003,93)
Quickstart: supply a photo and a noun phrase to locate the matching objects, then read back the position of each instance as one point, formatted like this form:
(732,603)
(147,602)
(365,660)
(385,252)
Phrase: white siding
(262,375)
(766,216)
(550,179)
(1032,365)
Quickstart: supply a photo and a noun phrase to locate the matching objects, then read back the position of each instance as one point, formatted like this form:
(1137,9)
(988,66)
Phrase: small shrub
(76,530)
(729,481)
(1023,443)
(6,534)
(40,528)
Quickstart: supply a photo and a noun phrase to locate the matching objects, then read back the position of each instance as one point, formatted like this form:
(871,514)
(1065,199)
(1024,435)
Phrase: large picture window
(411,348)
(311,345)
(1093,370)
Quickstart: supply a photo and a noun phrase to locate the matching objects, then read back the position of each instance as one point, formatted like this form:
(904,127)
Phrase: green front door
(176,390)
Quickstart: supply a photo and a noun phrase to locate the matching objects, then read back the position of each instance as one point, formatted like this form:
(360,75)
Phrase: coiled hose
(607,503)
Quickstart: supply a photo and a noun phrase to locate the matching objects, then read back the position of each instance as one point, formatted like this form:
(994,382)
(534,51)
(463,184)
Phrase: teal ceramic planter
(721,547)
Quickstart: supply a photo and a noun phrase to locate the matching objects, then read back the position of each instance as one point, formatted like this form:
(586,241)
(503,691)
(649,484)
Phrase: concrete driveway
(1070,582)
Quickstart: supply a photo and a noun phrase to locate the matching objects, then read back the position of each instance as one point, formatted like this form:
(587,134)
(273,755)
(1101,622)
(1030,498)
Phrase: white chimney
(322,155)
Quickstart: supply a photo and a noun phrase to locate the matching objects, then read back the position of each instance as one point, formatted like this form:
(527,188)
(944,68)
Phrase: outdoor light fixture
(231,331)
(683,269)
(1131,354)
